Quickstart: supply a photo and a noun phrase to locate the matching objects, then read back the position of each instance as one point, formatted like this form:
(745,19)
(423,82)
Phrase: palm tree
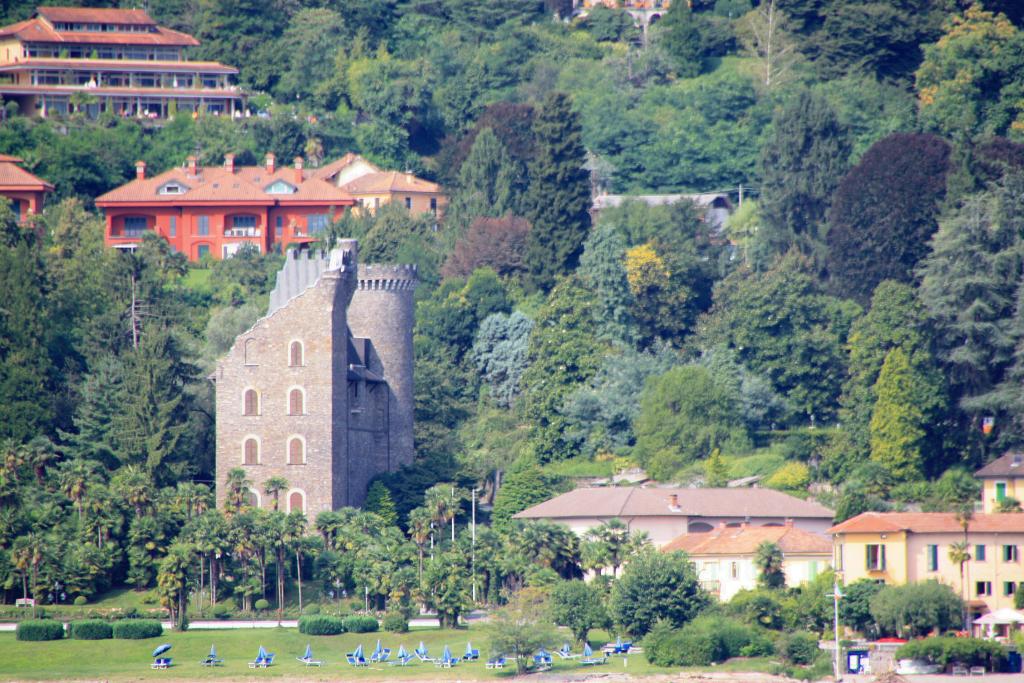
(236,491)
(273,487)
(295,531)
(40,453)
(135,486)
(964,515)
(615,536)
(76,478)
(769,560)
(419,532)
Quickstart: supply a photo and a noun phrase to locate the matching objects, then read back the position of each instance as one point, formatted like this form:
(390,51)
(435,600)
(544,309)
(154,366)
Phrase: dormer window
(280,187)
(172,188)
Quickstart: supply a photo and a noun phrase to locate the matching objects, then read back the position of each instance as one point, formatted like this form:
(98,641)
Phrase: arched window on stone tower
(296,402)
(251,451)
(251,402)
(295,355)
(296,451)
(250,352)
(296,501)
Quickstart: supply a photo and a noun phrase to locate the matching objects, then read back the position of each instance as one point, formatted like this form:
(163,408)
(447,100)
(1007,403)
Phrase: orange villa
(67,59)
(24,190)
(212,211)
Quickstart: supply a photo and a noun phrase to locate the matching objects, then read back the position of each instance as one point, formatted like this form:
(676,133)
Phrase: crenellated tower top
(374,277)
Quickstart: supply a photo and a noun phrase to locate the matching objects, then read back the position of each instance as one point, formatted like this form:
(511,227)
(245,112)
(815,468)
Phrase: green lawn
(130,659)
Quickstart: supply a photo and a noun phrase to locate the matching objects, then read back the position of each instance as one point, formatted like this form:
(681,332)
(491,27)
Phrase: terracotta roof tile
(928,523)
(328,170)
(745,540)
(214,183)
(37,31)
(657,502)
(85,15)
(12,175)
(389,181)
(1010,464)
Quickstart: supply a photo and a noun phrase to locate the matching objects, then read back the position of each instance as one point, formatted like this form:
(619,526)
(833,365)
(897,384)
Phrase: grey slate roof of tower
(302,269)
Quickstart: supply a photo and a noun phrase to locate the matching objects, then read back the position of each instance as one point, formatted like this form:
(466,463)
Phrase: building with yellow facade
(1002,480)
(906,547)
(372,187)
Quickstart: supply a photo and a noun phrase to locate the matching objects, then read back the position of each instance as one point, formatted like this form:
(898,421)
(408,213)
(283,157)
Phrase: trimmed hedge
(137,629)
(799,647)
(361,624)
(40,629)
(261,605)
(221,611)
(395,623)
(81,600)
(704,641)
(945,651)
(321,625)
(90,629)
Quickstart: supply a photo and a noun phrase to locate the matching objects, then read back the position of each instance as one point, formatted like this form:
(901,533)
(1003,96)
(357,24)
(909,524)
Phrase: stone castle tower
(320,390)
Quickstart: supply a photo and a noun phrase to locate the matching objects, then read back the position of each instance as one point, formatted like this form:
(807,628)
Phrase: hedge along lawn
(130,659)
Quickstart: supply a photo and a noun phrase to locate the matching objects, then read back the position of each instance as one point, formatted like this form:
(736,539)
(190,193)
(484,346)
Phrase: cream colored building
(666,513)
(907,547)
(373,187)
(1002,479)
(724,558)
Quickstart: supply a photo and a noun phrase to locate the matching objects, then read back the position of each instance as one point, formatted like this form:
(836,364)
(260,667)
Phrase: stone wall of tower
(383,311)
(311,311)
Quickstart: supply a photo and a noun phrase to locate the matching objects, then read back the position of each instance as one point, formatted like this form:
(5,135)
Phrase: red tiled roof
(1010,464)
(389,181)
(37,31)
(657,502)
(329,170)
(12,176)
(928,523)
(745,540)
(96,15)
(215,184)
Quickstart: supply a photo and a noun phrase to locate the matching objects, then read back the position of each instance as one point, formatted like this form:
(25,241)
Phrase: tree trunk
(298,575)
(213,579)
(280,585)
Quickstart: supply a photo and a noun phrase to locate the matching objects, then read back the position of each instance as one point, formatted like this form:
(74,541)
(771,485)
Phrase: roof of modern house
(929,523)
(744,540)
(159,66)
(389,181)
(1009,465)
(332,169)
(96,15)
(212,184)
(40,29)
(14,177)
(674,502)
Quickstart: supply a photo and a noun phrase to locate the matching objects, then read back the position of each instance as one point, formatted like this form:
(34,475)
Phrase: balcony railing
(131,232)
(243,232)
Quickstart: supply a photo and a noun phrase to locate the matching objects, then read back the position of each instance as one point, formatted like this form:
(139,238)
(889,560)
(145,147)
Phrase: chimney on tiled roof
(229,163)
(270,162)
(140,170)
(673,501)
(298,170)
(193,165)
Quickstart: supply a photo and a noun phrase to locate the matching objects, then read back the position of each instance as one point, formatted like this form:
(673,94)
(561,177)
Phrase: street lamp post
(473,544)
(836,595)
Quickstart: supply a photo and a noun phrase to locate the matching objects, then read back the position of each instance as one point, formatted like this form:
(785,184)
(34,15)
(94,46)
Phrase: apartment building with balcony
(907,547)
(91,60)
(213,211)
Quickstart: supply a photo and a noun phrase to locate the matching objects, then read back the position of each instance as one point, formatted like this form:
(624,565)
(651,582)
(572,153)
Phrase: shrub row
(321,625)
(90,629)
(361,624)
(704,641)
(40,629)
(945,650)
(137,629)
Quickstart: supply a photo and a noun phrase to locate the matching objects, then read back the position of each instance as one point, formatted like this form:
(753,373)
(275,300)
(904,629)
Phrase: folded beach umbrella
(309,652)
(447,654)
(587,652)
(262,653)
(469,649)
(160,649)
(401,652)
(213,652)
(359,652)
(377,650)
(422,649)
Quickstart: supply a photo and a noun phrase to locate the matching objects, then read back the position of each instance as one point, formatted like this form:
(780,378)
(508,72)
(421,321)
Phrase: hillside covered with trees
(855,332)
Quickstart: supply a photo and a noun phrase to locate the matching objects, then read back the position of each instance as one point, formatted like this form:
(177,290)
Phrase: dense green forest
(857,331)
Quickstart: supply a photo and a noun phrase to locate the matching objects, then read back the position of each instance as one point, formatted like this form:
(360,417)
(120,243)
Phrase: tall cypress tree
(558,200)
(802,163)
(486,181)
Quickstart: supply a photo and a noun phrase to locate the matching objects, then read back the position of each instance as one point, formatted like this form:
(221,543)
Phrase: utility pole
(453,514)
(836,595)
(473,544)
(741,195)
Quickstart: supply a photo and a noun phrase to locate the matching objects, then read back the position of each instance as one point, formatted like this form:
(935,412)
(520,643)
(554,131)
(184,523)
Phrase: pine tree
(485,185)
(558,200)
(603,270)
(379,501)
(802,162)
(898,419)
